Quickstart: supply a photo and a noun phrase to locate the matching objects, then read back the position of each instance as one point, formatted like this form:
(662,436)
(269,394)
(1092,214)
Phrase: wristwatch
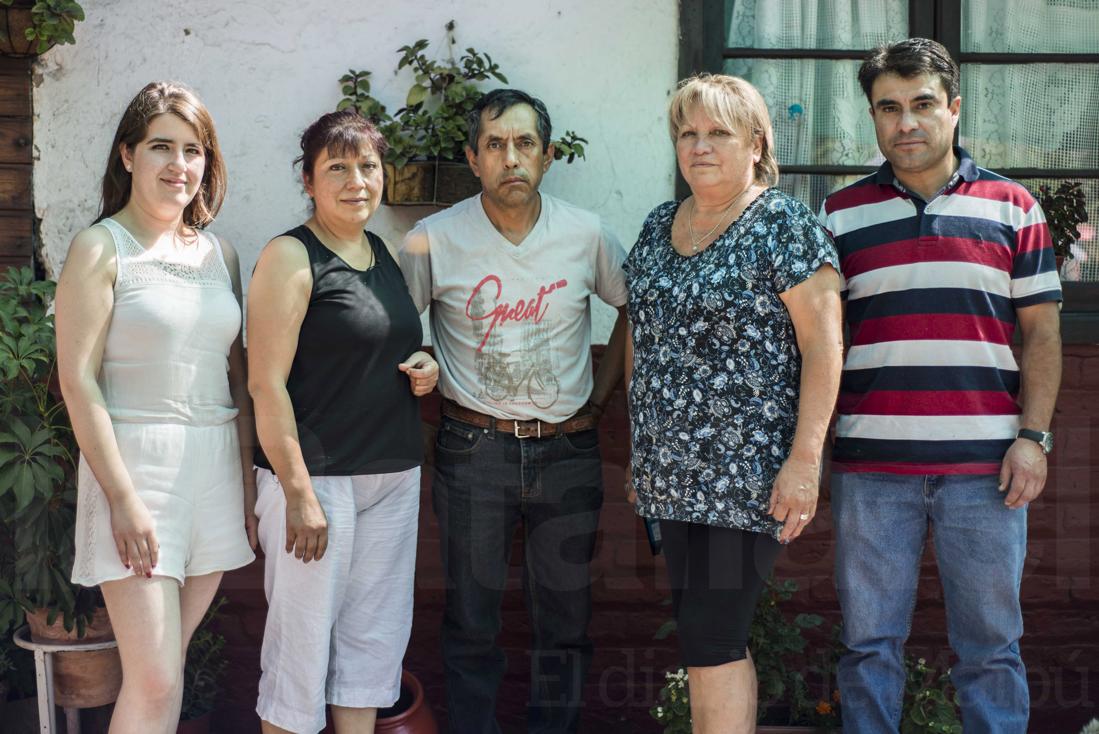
(1042,438)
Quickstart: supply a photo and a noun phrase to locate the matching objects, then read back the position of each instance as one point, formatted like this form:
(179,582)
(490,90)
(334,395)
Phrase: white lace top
(175,317)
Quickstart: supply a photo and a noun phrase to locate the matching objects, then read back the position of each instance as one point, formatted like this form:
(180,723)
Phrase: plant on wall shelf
(431,126)
(42,23)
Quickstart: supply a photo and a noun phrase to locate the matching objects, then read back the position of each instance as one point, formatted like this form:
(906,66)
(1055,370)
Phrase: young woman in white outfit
(152,369)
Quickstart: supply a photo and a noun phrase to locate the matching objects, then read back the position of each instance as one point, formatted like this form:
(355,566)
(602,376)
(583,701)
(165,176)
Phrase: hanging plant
(29,27)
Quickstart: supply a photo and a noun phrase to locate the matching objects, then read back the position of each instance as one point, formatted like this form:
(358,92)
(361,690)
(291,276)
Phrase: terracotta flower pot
(81,679)
(411,714)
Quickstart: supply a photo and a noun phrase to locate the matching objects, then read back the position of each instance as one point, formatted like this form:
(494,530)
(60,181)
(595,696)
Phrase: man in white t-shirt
(508,275)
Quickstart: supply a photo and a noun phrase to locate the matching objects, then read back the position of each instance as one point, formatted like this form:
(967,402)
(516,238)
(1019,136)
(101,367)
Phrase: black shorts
(716,575)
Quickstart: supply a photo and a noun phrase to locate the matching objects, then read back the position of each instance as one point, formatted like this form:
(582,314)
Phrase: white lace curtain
(817,107)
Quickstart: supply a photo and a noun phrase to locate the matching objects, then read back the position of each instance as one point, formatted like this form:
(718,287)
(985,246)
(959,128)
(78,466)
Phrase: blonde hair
(734,103)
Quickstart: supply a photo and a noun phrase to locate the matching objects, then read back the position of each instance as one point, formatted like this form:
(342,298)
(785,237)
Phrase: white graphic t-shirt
(511,324)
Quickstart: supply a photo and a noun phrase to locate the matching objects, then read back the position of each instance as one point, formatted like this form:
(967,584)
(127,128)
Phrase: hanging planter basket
(429,183)
(14,22)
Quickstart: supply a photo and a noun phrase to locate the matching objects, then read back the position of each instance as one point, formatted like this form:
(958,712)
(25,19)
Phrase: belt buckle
(515,431)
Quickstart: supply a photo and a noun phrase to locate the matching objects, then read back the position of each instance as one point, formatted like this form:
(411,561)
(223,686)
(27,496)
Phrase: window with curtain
(1036,115)
(1026,112)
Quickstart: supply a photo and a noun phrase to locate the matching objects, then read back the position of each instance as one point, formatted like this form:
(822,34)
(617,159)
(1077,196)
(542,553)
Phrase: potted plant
(38,500)
(425,163)
(203,673)
(411,714)
(32,27)
(1065,211)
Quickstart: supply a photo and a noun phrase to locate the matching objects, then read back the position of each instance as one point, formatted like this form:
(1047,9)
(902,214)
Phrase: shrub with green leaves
(432,123)
(775,642)
(673,708)
(930,703)
(37,463)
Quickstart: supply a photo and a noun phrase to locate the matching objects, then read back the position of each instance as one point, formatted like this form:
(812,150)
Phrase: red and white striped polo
(930,384)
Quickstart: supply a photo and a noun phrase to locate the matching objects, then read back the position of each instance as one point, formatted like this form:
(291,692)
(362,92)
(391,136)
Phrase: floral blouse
(716,370)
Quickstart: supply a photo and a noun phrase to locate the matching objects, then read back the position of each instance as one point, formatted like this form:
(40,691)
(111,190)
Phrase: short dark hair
(908,58)
(499,101)
(339,133)
(155,99)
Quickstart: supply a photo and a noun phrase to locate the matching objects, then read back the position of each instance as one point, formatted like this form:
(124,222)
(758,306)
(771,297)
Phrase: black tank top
(354,409)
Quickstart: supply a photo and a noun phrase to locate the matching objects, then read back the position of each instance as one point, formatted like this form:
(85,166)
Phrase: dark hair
(159,98)
(499,101)
(908,58)
(340,133)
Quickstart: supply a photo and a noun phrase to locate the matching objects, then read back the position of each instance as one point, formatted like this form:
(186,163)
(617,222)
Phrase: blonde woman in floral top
(734,357)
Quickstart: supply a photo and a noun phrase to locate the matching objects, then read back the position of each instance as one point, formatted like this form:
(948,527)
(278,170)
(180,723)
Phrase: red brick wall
(1060,592)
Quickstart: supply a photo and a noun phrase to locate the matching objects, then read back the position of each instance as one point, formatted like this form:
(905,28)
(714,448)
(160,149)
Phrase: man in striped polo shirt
(938,428)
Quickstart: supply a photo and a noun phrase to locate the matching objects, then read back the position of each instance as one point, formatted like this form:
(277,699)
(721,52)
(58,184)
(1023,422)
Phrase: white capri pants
(337,628)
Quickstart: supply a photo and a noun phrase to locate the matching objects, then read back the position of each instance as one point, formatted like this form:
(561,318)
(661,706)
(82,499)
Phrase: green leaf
(665,630)
(40,437)
(7,477)
(416,95)
(23,487)
(21,432)
(64,588)
(807,621)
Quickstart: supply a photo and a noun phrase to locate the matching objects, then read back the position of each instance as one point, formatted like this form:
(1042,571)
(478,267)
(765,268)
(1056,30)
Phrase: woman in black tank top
(335,367)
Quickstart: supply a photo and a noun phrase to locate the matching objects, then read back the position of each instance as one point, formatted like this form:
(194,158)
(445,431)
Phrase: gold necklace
(695,242)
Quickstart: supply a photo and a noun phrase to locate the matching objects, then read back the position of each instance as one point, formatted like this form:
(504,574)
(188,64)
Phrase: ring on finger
(803,516)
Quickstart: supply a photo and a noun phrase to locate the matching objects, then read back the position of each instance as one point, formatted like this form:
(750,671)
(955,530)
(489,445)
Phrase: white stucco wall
(266,69)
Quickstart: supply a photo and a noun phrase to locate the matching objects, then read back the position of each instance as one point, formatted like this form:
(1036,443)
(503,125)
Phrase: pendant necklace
(695,242)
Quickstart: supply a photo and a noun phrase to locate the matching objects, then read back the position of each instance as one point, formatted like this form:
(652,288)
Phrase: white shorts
(337,628)
(189,478)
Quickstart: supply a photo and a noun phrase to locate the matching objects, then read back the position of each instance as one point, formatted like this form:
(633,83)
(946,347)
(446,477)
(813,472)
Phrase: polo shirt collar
(967,169)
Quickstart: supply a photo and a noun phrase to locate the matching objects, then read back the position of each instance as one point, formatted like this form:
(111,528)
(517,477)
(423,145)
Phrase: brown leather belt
(582,421)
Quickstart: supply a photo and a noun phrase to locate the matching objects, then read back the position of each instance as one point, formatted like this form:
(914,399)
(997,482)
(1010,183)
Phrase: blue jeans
(487,484)
(881,523)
